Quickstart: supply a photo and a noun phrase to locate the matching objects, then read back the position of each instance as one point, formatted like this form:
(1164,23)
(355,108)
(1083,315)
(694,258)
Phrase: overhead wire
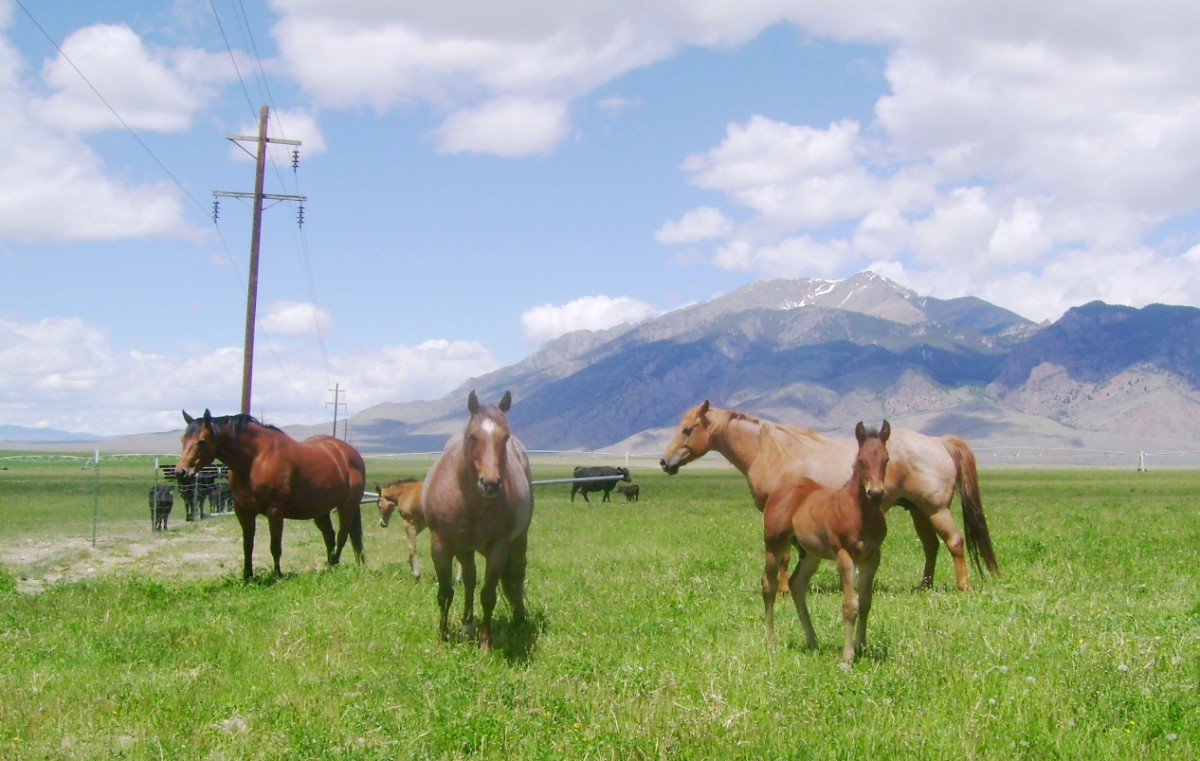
(133,133)
(175,180)
(304,248)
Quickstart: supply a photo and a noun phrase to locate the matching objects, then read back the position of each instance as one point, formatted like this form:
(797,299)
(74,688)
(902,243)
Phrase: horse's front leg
(845,565)
(466,565)
(442,564)
(414,564)
(325,524)
(867,566)
(275,524)
(513,579)
(497,559)
(798,584)
(246,519)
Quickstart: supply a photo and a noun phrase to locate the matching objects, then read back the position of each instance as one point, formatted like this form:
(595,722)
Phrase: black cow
(618,474)
(161,502)
(631,492)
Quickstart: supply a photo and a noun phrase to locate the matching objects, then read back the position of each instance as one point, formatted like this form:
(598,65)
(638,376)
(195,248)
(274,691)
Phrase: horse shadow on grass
(516,644)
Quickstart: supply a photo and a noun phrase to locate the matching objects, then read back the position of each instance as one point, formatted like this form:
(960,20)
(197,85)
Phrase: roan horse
(924,473)
(272,474)
(846,525)
(478,498)
(404,496)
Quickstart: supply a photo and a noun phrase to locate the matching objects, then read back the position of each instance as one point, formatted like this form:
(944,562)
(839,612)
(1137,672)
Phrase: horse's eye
(687,431)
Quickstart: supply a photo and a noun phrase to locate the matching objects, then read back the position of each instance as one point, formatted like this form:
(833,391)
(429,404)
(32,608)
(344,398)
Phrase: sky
(480,178)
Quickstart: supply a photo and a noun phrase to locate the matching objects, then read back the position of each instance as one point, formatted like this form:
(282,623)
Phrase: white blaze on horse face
(489,456)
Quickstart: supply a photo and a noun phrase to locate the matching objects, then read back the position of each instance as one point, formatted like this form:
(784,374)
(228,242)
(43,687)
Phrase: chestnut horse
(404,496)
(925,472)
(272,474)
(845,525)
(478,498)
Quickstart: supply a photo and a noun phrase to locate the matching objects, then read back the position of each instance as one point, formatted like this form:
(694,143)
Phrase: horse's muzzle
(488,488)
(669,468)
(875,495)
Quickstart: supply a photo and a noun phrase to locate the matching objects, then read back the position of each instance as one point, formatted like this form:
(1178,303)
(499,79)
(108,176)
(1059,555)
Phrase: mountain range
(826,354)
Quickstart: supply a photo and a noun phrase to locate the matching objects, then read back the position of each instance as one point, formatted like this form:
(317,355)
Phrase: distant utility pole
(255,233)
(337,392)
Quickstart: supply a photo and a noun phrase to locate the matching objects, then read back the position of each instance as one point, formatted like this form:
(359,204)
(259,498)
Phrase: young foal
(846,525)
(404,496)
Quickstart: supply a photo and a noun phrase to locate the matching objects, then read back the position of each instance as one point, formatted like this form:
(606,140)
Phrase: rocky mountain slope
(828,353)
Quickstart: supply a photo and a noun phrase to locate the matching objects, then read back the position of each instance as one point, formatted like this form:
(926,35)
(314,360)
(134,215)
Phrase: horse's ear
(505,401)
(207,418)
(885,431)
(703,408)
(860,433)
(187,418)
(472,402)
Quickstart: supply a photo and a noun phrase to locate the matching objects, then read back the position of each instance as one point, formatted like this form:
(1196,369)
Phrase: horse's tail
(356,535)
(975,529)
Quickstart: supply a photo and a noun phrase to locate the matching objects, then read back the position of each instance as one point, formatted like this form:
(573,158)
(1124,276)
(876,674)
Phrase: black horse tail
(975,528)
(356,535)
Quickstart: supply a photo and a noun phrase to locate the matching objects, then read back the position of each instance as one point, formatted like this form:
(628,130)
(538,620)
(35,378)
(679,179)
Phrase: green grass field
(646,637)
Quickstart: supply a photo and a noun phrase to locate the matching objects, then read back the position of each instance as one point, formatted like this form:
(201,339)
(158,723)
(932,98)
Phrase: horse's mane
(409,480)
(235,424)
(790,431)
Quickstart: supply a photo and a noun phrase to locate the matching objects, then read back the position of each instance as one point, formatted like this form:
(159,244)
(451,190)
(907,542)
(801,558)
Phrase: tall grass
(646,639)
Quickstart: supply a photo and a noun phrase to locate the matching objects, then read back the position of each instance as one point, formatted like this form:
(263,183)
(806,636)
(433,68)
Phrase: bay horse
(272,474)
(478,498)
(404,496)
(925,472)
(845,525)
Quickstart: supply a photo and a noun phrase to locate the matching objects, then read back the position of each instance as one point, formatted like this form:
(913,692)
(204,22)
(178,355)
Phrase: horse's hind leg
(325,524)
(349,526)
(775,543)
(947,529)
(275,524)
(929,542)
(246,519)
(513,579)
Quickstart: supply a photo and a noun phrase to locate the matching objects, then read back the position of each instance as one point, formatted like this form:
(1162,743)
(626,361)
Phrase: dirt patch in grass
(196,551)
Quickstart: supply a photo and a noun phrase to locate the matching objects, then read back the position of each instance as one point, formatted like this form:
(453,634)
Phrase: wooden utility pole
(337,392)
(255,234)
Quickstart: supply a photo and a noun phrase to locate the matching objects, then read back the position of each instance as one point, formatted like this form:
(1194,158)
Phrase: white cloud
(71,368)
(56,188)
(155,90)
(463,60)
(1028,153)
(704,223)
(508,127)
(293,318)
(289,124)
(549,321)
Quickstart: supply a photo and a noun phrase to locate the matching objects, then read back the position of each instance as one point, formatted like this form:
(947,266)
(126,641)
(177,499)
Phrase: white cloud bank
(549,321)
(1029,154)
(61,366)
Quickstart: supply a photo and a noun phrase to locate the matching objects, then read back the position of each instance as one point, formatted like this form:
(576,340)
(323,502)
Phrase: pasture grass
(645,639)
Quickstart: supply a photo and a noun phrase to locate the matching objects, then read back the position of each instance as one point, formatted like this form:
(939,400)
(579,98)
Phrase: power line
(110,107)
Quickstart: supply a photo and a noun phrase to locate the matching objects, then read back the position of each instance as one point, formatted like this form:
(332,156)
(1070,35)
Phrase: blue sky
(484,177)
